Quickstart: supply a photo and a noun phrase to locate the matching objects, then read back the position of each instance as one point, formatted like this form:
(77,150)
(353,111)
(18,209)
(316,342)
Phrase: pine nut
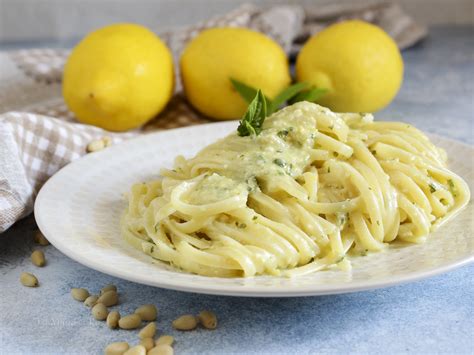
(108,288)
(208,319)
(79,294)
(107,141)
(147,312)
(132,321)
(116,348)
(91,301)
(148,331)
(113,319)
(136,350)
(165,339)
(186,322)
(108,299)
(37,258)
(95,146)
(148,343)
(99,311)
(28,279)
(162,349)
(40,239)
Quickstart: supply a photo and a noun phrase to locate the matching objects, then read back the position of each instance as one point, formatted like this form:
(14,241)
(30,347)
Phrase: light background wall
(63,20)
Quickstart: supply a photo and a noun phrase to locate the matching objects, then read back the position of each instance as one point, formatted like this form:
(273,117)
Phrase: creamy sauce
(213,188)
(282,148)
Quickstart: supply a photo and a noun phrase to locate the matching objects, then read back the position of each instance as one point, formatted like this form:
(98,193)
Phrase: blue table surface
(425,317)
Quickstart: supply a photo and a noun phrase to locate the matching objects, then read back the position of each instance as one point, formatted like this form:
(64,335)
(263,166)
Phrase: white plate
(79,208)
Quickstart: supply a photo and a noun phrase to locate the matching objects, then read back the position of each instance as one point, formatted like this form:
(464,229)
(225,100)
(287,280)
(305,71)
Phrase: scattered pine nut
(208,319)
(162,349)
(99,311)
(107,141)
(108,288)
(113,319)
(91,301)
(148,343)
(165,339)
(132,321)
(109,298)
(79,294)
(186,322)
(136,350)
(116,348)
(40,239)
(37,258)
(95,146)
(147,312)
(28,279)
(148,331)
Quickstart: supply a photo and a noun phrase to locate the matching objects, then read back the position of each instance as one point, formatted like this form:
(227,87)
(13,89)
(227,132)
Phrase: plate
(79,208)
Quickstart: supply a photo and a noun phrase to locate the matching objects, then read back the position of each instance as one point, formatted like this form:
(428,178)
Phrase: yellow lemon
(357,62)
(216,55)
(118,77)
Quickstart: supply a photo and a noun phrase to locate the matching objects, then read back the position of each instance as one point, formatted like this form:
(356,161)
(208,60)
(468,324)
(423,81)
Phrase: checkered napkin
(38,135)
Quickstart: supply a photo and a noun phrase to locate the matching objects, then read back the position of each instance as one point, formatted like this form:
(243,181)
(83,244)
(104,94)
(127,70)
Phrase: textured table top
(429,316)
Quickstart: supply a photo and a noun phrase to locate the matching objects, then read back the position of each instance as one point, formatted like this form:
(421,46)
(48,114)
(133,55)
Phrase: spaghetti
(312,187)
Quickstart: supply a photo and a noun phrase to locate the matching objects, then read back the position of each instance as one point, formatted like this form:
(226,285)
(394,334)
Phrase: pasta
(312,188)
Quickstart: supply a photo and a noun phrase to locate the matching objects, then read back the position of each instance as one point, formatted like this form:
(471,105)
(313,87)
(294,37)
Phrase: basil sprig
(310,95)
(288,93)
(247,92)
(251,123)
(261,106)
(293,93)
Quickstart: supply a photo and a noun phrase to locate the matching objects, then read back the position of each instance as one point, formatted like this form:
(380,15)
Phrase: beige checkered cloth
(38,135)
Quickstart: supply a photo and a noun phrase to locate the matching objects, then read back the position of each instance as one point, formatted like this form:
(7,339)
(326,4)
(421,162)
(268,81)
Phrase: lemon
(357,62)
(216,55)
(118,77)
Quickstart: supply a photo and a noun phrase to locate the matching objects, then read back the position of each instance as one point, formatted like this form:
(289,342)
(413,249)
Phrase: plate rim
(231,289)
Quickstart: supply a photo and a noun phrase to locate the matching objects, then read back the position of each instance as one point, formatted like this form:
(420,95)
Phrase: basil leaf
(286,95)
(247,92)
(252,121)
(310,95)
